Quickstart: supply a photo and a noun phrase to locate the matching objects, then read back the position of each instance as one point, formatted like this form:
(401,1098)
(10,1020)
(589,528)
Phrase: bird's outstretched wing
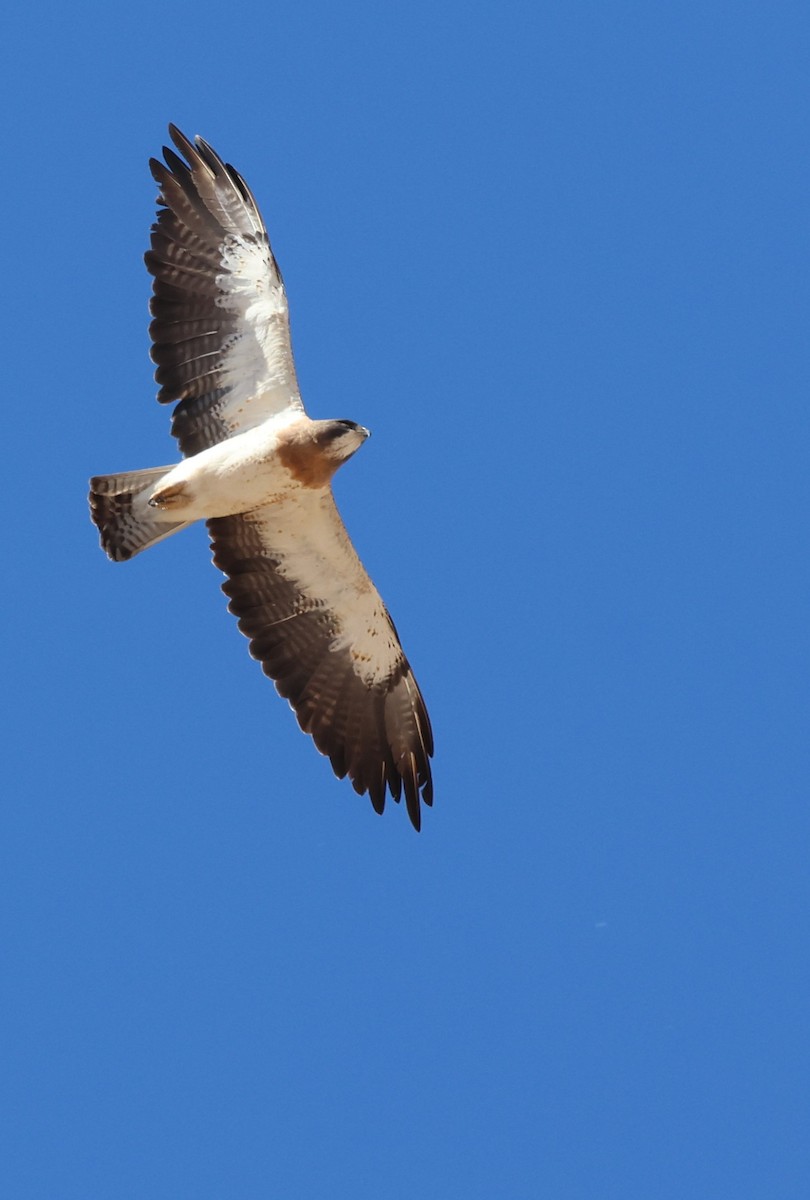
(320,630)
(220,328)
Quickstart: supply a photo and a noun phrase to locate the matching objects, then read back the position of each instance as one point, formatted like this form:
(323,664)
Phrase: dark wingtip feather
(183,144)
(376,791)
(411,786)
(158,170)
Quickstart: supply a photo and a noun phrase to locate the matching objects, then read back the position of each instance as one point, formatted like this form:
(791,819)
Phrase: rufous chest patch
(306,461)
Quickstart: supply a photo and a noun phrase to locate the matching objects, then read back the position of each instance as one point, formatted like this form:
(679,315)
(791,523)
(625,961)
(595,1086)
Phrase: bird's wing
(220,328)
(320,630)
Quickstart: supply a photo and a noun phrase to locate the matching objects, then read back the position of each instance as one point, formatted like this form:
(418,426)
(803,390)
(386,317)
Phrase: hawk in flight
(258,471)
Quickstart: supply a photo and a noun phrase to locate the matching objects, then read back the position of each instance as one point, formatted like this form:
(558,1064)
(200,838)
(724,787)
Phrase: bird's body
(259,471)
(265,465)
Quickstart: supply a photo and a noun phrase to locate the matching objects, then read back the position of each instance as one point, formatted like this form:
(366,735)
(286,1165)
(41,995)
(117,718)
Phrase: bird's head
(340,439)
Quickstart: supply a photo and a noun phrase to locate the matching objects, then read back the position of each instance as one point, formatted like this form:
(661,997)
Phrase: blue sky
(556,257)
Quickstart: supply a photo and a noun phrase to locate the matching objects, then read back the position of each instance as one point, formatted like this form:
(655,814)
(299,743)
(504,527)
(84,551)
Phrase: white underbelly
(234,476)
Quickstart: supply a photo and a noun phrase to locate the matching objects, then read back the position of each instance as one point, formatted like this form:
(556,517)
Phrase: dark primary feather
(379,736)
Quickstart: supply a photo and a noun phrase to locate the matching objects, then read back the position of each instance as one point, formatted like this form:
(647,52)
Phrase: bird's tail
(119,507)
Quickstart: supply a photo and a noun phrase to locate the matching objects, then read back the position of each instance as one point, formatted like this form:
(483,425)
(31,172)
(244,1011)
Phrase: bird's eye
(341,428)
(336,429)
